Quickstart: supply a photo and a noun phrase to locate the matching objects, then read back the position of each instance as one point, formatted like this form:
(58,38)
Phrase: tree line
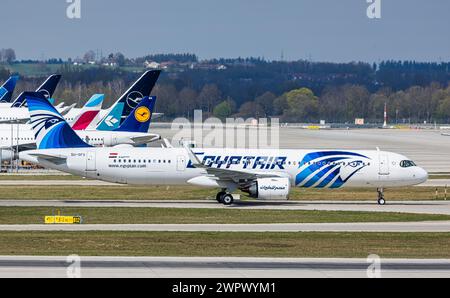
(298,91)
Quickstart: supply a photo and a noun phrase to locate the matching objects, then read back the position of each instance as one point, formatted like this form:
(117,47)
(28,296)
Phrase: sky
(317,30)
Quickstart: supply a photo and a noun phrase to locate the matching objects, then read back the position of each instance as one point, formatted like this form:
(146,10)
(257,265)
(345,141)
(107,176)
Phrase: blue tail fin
(47,89)
(140,118)
(7,89)
(112,120)
(50,128)
(129,100)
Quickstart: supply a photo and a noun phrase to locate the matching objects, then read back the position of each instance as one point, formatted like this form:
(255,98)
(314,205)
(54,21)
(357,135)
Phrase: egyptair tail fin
(50,128)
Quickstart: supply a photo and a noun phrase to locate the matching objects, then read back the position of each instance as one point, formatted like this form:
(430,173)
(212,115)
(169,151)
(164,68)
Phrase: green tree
(251,109)
(300,105)
(266,102)
(225,109)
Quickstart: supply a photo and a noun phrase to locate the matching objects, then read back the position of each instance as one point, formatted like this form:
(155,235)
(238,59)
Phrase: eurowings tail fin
(89,112)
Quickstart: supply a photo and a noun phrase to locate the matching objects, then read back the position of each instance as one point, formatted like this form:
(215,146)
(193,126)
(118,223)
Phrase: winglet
(194,159)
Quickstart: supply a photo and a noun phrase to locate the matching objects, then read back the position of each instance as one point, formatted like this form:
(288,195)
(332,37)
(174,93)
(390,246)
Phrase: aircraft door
(384,164)
(114,140)
(181,163)
(91,162)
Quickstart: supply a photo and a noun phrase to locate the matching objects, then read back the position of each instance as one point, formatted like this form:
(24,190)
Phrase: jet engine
(270,189)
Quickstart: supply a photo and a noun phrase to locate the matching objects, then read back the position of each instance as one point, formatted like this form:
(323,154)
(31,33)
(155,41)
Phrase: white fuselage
(12,114)
(13,135)
(172,166)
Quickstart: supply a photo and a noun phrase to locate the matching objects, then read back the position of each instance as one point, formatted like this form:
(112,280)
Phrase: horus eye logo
(142,114)
(45,122)
(134,98)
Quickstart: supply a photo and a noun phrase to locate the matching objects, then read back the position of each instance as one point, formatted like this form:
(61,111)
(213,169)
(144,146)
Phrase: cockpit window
(407,164)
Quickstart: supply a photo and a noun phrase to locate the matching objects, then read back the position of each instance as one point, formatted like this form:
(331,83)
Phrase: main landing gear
(225,198)
(381,200)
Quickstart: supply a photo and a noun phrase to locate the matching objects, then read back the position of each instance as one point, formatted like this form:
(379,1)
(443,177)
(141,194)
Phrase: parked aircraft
(132,132)
(262,174)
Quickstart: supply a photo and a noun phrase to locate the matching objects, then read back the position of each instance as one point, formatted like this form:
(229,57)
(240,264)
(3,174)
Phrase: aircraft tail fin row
(129,100)
(47,89)
(53,132)
(7,89)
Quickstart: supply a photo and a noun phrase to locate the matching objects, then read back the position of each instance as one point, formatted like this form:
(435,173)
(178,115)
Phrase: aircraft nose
(421,175)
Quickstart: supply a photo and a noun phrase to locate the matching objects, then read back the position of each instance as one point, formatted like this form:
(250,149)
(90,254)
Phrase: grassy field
(35,215)
(345,245)
(4,177)
(195,193)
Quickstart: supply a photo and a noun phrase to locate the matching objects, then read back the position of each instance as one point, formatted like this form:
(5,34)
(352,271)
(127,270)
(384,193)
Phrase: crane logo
(142,114)
(134,98)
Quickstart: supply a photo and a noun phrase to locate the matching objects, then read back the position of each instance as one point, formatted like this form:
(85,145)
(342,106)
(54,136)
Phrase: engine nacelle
(270,189)
(7,155)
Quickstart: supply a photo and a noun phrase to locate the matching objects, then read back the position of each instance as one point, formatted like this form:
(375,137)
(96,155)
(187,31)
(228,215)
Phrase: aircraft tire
(228,200)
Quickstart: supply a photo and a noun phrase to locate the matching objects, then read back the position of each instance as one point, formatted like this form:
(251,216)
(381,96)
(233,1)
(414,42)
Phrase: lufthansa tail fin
(129,100)
(50,128)
(140,118)
(47,89)
(7,89)
(89,112)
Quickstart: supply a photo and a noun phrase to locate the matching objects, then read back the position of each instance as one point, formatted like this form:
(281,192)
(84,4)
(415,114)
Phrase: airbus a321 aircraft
(263,174)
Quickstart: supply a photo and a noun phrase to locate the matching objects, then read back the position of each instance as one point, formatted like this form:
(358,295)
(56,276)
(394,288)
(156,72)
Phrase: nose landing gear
(381,200)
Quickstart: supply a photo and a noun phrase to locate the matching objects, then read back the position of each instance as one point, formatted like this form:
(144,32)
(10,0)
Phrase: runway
(182,268)
(382,227)
(421,207)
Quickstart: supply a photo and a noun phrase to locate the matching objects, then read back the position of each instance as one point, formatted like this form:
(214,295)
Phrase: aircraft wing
(145,139)
(22,147)
(230,175)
